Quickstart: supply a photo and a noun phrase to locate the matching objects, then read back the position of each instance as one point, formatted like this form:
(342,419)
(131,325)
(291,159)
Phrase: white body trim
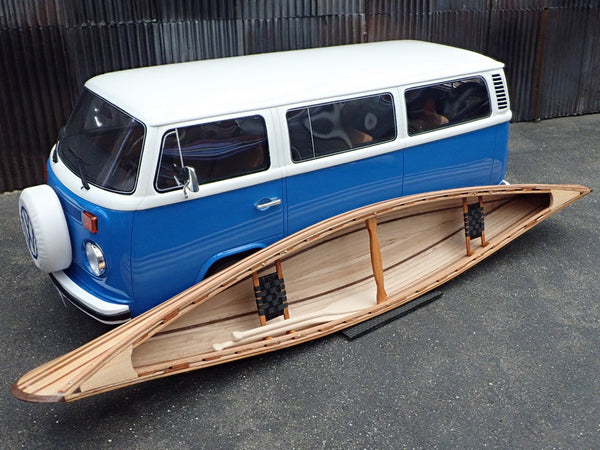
(100,307)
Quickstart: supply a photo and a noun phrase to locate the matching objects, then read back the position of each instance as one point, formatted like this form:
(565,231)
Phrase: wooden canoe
(327,277)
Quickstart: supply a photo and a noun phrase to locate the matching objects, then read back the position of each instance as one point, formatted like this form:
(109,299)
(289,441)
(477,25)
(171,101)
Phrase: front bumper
(103,311)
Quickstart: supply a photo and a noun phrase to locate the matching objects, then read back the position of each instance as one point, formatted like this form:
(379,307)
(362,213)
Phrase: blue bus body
(190,236)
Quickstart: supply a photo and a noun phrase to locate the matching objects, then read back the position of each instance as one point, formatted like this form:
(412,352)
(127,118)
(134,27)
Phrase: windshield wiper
(80,163)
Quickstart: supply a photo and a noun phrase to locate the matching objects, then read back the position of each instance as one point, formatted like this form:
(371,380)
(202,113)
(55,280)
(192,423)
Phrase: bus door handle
(267,203)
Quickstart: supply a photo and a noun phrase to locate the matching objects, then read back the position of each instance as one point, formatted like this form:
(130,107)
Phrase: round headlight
(95,258)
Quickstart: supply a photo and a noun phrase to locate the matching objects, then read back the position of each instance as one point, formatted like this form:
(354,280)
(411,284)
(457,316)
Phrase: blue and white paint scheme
(165,174)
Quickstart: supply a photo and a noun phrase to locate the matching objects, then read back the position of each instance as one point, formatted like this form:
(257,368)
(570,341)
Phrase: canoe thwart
(376,261)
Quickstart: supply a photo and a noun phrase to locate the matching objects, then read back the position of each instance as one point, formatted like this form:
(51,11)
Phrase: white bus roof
(175,93)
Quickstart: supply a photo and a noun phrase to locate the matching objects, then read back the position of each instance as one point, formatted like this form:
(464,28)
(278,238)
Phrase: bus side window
(451,103)
(216,150)
(336,127)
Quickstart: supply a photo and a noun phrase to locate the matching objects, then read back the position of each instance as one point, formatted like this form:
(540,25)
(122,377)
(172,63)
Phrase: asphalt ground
(507,358)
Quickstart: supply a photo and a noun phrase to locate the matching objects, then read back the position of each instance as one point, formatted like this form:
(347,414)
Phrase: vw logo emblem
(29,233)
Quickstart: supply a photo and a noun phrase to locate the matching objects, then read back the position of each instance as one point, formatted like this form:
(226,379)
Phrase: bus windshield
(102,145)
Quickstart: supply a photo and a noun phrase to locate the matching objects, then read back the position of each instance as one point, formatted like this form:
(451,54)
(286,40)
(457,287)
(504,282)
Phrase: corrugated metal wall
(48,48)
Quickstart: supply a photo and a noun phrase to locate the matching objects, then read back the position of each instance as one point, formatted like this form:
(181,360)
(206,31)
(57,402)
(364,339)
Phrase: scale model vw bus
(164,175)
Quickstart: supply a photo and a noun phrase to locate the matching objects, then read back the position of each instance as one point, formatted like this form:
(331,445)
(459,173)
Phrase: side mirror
(190,183)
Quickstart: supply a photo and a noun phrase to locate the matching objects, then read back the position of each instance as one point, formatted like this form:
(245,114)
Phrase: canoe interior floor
(337,275)
(442,248)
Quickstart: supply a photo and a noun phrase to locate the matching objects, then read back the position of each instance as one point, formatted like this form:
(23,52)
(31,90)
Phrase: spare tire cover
(45,228)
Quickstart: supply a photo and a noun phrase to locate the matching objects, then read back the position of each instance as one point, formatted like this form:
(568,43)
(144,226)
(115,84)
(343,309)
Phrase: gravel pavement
(508,357)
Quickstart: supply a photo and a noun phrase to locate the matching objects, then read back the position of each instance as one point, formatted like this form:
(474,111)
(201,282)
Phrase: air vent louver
(501,96)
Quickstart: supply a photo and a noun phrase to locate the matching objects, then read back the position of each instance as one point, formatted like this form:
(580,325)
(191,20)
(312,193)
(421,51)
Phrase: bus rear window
(446,104)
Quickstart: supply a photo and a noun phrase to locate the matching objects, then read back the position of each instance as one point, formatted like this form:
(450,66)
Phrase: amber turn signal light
(90,221)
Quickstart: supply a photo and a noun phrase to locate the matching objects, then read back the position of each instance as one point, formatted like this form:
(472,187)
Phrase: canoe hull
(335,274)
